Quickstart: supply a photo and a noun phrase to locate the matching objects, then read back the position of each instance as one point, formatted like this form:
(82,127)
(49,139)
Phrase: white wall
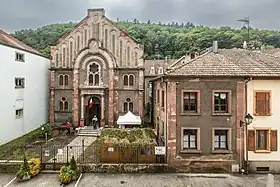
(272,121)
(34,98)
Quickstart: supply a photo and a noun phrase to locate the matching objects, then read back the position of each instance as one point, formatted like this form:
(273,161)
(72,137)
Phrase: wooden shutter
(267,103)
(260,103)
(273,140)
(251,140)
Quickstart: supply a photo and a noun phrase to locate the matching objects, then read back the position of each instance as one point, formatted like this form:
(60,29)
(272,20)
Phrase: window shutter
(273,140)
(260,103)
(251,140)
(267,103)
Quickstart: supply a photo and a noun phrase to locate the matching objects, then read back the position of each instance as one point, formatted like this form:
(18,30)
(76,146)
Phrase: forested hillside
(173,40)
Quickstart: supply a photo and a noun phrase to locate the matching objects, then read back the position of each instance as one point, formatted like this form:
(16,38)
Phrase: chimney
(215,47)
(100,11)
(166,62)
(244,45)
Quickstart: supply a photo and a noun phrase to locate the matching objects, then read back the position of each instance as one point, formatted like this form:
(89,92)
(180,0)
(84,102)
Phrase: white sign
(59,152)
(160,150)
(110,149)
(47,152)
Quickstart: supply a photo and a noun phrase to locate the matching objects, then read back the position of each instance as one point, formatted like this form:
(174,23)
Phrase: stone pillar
(102,111)
(140,104)
(111,98)
(76,96)
(82,120)
(52,104)
(240,111)
(171,122)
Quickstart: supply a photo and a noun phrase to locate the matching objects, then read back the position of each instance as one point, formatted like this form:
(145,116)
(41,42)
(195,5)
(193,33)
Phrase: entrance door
(95,110)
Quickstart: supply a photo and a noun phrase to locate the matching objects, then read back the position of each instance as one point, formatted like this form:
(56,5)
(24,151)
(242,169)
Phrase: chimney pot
(215,47)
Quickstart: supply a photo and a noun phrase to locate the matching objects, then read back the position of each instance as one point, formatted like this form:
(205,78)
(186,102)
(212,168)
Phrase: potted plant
(24,172)
(69,172)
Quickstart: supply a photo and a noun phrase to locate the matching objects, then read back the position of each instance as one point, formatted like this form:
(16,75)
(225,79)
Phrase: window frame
(198,147)
(128,76)
(229,140)
(255,102)
(21,79)
(19,54)
(20,112)
(229,104)
(268,142)
(127,105)
(197,102)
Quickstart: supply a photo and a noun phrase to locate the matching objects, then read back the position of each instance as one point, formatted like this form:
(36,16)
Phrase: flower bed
(69,173)
(29,169)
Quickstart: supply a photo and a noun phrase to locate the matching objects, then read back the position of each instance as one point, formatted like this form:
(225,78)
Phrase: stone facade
(96,60)
(171,115)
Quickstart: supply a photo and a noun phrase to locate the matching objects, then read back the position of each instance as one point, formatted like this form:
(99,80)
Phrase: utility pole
(246,21)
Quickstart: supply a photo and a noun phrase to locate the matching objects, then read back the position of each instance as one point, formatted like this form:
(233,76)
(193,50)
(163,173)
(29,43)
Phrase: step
(82,134)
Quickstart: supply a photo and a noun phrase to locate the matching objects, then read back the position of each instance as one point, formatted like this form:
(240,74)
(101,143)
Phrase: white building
(24,95)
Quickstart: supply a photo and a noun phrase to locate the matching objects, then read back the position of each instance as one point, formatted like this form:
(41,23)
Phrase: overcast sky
(19,14)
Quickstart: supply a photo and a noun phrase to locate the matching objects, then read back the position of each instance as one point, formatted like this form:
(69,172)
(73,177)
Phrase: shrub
(70,172)
(29,169)
(45,128)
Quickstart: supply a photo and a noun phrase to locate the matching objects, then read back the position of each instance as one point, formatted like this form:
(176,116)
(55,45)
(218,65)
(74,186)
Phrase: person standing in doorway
(94,121)
(68,127)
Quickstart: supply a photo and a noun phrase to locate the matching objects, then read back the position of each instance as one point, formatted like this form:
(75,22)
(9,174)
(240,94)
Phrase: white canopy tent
(128,119)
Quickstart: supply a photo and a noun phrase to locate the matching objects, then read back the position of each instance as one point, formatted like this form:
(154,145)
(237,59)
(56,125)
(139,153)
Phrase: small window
(131,80)
(190,102)
(125,80)
(66,80)
(136,58)
(128,105)
(160,70)
(221,139)
(128,56)
(152,71)
(61,80)
(19,113)
(106,38)
(221,104)
(121,53)
(114,44)
(19,82)
(90,79)
(63,104)
(96,80)
(56,59)
(19,57)
(262,139)
(162,98)
(189,139)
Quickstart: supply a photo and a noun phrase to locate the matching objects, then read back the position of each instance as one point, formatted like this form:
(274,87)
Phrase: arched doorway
(93,108)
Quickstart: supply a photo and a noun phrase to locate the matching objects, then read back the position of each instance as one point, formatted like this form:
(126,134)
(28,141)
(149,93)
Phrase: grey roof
(231,62)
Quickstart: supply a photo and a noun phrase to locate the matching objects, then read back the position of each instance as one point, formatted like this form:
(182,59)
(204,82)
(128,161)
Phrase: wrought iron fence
(92,154)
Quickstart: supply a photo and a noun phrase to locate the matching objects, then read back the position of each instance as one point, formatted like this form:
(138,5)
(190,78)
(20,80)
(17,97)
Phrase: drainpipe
(246,127)
(166,122)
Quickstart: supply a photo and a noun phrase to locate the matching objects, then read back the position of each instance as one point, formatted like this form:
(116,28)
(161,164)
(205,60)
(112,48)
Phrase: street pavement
(146,180)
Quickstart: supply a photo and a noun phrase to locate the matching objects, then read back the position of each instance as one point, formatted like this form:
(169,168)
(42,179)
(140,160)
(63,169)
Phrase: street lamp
(46,134)
(246,123)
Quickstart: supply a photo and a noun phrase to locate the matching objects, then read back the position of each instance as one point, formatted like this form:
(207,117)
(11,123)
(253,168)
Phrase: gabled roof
(156,64)
(231,62)
(9,40)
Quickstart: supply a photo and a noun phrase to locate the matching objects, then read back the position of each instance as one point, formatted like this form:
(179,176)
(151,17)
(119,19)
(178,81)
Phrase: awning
(129,119)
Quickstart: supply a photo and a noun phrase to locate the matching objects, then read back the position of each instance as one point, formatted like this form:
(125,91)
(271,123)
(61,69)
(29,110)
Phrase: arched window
(152,70)
(128,56)
(63,57)
(96,80)
(131,80)
(94,74)
(78,44)
(56,59)
(71,51)
(114,44)
(160,70)
(63,104)
(121,53)
(125,80)
(128,105)
(106,38)
(66,80)
(136,58)
(61,80)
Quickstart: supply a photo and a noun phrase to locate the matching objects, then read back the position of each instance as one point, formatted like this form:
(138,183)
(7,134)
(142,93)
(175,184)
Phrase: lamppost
(246,123)
(46,134)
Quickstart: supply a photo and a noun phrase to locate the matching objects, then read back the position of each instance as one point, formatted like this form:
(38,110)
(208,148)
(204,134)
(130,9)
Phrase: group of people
(95,124)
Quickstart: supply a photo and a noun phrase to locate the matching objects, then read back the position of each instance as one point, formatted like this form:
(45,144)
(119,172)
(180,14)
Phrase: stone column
(76,96)
(102,111)
(82,120)
(111,98)
(52,104)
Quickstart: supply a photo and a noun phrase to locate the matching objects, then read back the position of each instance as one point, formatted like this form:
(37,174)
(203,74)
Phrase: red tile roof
(231,62)
(9,40)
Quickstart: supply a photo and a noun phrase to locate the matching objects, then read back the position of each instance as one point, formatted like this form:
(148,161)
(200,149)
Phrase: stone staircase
(89,131)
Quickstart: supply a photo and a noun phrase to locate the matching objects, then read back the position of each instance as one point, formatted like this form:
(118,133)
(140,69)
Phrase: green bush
(45,128)
(69,173)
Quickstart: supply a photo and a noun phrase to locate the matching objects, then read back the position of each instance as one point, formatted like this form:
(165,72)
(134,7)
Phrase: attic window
(192,55)
(160,70)
(19,57)
(152,70)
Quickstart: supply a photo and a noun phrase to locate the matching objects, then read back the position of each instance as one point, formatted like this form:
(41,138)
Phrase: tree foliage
(161,40)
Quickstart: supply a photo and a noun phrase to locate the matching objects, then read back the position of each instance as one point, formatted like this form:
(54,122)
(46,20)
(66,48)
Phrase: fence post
(54,159)
(67,155)
(41,150)
(83,146)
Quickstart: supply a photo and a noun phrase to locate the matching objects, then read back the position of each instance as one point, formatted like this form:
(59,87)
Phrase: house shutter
(273,140)
(251,140)
(260,103)
(267,103)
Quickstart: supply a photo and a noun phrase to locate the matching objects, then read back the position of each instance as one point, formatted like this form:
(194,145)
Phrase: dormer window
(152,70)
(160,70)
